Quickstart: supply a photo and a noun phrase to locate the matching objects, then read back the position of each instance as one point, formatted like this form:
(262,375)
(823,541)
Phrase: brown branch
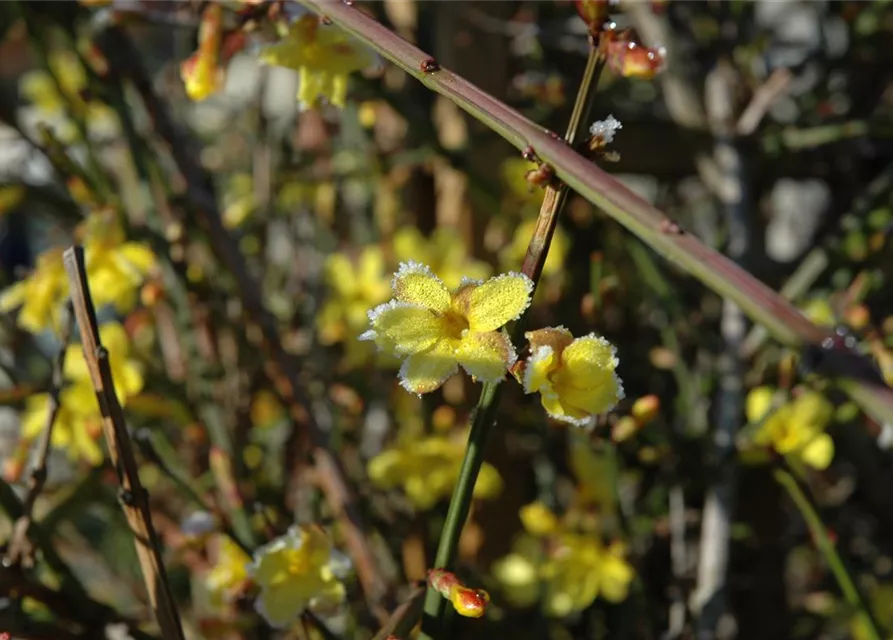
(405,616)
(282,369)
(20,550)
(134,498)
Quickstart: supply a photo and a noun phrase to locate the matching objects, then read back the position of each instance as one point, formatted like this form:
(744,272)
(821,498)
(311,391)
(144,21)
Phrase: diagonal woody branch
(759,302)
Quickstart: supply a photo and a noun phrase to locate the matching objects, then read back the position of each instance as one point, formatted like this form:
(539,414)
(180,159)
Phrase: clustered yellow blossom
(229,574)
(796,429)
(78,421)
(60,90)
(427,469)
(444,252)
(295,572)
(576,378)
(354,288)
(567,569)
(436,329)
(115,269)
(323,55)
(201,73)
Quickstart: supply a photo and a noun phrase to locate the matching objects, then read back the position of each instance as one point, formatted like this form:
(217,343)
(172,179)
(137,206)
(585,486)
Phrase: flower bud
(645,409)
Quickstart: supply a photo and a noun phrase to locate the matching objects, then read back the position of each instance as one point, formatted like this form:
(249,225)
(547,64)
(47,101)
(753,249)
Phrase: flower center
(297,563)
(455,324)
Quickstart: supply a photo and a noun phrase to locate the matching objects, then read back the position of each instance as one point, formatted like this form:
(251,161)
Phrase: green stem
(434,623)
(829,551)
(759,302)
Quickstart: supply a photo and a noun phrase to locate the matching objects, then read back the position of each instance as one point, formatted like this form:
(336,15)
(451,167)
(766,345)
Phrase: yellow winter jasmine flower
(115,268)
(78,423)
(323,55)
(40,295)
(230,571)
(427,469)
(575,377)
(353,290)
(297,571)
(444,252)
(436,329)
(514,253)
(796,429)
(201,73)
(582,569)
(538,519)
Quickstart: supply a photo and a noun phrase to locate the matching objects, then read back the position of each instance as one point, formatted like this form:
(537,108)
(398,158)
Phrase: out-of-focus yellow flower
(819,311)
(51,100)
(572,569)
(11,195)
(575,377)
(266,409)
(514,174)
(201,72)
(427,469)
(444,252)
(323,55)
(354,288)
(238,200)
(229,573)
(115,268)
(78,422)
(514,253)
(796,429)
(40,295)
(582,569)
(297,571)
(436,330)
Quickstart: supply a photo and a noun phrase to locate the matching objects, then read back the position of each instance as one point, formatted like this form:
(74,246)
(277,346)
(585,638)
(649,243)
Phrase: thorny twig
(134,498)
(19,547)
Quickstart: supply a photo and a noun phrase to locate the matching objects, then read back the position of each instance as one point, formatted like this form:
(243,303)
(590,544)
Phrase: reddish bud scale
(443,580)
(593,12)
(632,60)
(468,602)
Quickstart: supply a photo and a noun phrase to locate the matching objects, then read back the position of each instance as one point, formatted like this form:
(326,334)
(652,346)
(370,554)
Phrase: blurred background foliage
(575,533)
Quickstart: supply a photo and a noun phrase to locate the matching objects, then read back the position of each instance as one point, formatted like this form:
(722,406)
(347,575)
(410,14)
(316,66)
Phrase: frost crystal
(605,129)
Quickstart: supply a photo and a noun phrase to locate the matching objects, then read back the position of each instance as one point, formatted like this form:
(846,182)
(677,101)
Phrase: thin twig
(405,616)
(134,498)
(662,234)
(435,622)
(282,369)
(19,546)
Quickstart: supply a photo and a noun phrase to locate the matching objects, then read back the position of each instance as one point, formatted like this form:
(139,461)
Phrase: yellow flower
(582,569)
(201,72)
(230,571)
(819,311)
(78,423)
(436,330)
(538,519)
(796,429)
(40,295)
(444,252)
(115,268)
(514,174)
(427,470)
(514,253)
(297,571)
(323,55)
(575,377)
(353,290)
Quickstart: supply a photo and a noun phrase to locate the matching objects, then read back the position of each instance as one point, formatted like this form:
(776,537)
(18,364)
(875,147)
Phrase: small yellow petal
(538,519)
(758,403)
(403,328)
(486,356)
(539,366)
(819,452)
(587,360)
(425,372)
(414,283)
(498,301)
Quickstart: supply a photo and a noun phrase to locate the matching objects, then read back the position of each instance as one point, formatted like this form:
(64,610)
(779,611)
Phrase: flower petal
(558,338)
(416,284)
(819,452)
(498,301)
(589,361)
(486,356)
(539,365)
(403,328)
(594,400)
(425,372)
(557,410)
